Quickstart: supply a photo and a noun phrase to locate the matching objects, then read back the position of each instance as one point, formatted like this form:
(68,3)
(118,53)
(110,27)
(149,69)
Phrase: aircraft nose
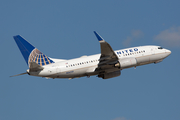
(168,52)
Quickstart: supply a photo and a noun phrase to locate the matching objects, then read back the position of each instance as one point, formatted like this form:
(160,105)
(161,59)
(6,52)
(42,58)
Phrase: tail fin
(30,53)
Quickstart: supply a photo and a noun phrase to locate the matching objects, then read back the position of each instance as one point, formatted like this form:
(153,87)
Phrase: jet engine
(126,63)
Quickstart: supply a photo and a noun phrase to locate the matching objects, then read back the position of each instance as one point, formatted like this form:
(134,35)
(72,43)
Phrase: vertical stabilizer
(30,53)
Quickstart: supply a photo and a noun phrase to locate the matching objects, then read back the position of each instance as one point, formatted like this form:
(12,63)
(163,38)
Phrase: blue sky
(64,29)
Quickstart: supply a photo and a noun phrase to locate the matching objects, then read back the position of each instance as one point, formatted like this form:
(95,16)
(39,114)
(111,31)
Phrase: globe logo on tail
(39,58)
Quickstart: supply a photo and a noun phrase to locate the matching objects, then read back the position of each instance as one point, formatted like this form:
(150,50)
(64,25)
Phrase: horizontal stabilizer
(19,74)
(33,66)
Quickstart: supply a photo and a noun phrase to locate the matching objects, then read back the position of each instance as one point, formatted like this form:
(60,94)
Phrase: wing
(108,57)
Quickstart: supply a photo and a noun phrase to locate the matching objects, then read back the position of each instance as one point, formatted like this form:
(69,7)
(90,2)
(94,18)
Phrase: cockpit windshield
(160,47)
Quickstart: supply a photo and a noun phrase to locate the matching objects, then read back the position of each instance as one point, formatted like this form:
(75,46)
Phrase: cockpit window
(160,48)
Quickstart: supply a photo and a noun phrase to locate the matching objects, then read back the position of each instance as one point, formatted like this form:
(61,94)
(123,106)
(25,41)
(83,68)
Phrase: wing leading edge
(107,53)
(108,57)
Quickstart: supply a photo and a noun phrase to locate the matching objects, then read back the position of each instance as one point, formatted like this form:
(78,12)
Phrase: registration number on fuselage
(69,72)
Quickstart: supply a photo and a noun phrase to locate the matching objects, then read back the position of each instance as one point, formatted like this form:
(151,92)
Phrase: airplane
(107,64)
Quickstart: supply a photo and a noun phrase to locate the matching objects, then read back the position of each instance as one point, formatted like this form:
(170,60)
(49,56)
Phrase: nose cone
(168,52)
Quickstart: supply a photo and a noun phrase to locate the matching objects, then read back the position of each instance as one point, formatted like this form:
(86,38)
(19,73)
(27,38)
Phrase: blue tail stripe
(47,62)
(45,58)
(51,61)
(24,46)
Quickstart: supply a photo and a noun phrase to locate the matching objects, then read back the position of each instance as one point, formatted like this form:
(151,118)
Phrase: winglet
(98,36)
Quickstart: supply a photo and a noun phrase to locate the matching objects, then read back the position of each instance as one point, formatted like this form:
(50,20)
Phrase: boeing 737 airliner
(107,64)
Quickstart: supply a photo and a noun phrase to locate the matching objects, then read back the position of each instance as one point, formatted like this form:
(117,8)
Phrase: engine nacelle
(126,63)
(110,75)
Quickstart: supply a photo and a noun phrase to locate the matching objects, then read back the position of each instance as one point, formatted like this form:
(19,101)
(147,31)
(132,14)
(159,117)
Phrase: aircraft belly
(149,59)
(143,59)
(156,57)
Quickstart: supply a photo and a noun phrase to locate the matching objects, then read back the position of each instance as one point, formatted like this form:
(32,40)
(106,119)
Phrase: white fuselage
(86,65)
